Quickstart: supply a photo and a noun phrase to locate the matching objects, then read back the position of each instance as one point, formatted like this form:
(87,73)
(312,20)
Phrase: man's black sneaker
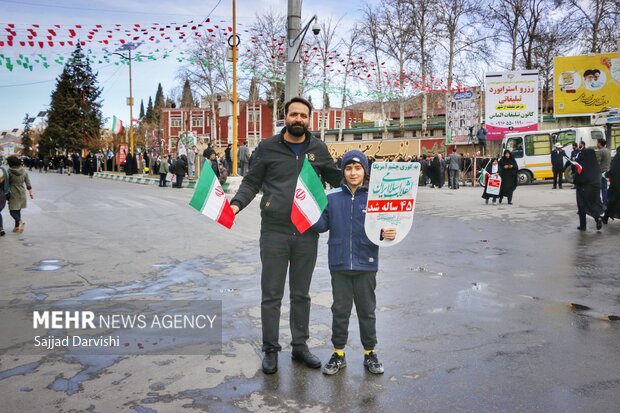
(372,363)
(270,362)
(307,358)
(334,364)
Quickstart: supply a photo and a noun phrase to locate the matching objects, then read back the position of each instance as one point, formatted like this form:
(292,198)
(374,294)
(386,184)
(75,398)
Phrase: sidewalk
(230,187)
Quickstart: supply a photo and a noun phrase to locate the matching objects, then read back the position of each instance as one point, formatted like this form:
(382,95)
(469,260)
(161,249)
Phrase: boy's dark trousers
(162,179)
(347,287)
(279,252)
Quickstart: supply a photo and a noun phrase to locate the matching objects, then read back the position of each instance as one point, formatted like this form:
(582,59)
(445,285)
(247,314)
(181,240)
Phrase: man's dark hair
(602,141)
(298,100)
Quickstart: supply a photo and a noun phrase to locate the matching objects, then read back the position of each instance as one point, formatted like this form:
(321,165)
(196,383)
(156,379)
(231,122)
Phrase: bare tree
(508,15)
(209,72)
(348,67)
(372,36)
(535,12)
(599,20)
(267,60)
(327,50)
(462,22)
(426,33)
(398,41)
(554,39)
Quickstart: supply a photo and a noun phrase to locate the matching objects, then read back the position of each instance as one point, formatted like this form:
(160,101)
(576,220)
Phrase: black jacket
(275,170)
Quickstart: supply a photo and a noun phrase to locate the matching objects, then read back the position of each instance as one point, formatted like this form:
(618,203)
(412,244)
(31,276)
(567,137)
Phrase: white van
(532,150)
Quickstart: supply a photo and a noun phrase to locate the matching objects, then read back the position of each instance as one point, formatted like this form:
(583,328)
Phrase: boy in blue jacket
(353,262)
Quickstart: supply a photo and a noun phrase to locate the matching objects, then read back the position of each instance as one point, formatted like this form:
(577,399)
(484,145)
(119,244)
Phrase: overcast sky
(23,91)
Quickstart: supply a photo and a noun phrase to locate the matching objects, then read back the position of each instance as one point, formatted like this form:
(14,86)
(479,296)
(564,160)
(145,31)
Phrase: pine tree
(74,119)
(149,111)
(159,104)
(141,109)
(187,99)
(27,136)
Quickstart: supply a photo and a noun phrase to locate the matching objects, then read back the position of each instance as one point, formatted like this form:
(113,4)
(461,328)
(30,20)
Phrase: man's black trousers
(296,253)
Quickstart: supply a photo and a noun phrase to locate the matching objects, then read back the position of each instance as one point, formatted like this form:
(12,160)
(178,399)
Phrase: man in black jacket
(557,165)
(278,161)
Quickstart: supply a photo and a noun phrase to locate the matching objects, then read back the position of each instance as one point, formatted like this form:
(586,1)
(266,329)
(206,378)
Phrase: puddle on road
(20,370)
(50,264)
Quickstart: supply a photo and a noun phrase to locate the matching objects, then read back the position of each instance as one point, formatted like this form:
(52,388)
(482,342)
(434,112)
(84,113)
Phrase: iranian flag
(575,164)
(117,125)
(483,177)
(309,201)
(209,199)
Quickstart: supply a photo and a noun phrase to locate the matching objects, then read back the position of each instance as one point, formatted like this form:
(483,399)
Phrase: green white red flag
(575,164)
(309,200)
(209,199)
(483,177)
(117,125)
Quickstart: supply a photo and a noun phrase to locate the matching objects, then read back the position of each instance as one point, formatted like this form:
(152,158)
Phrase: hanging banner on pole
(391,201)
(463,115)
(511,102)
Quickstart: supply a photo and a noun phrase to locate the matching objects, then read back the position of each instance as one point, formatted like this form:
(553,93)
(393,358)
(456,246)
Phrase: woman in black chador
(508,170)
(613,193)
(588,185)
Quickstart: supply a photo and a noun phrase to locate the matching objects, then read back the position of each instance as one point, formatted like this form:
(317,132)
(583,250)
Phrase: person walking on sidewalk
(18,178)
(509,172)
(275,170)
(353,263)
(163,171)
(4,193)
(603,157)
(588,184)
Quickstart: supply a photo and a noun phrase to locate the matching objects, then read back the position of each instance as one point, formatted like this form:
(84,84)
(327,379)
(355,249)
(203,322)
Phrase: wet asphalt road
(473,312)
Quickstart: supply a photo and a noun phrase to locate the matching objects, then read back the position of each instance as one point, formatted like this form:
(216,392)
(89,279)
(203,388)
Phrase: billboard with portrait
(511,102)
(463,115)
(583,85)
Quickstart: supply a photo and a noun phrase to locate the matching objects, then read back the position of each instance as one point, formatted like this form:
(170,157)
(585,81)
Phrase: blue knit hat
(357,157)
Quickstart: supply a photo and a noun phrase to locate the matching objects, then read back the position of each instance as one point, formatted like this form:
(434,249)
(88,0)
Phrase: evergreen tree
(187,100)
(27,136)
(74,119)
(158,105)
(149,111)
(141,109)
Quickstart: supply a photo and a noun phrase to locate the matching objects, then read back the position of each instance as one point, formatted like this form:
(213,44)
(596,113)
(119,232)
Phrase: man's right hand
(235,209)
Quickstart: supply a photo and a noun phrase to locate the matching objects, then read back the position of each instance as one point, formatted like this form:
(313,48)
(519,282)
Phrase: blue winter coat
(349,247)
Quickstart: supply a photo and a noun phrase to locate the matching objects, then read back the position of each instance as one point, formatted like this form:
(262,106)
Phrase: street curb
(142,180)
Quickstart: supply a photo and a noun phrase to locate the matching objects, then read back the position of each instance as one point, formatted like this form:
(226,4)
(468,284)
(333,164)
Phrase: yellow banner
(584,85)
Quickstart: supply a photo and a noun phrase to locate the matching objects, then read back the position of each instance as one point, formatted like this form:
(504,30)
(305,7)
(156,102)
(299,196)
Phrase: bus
(532,150)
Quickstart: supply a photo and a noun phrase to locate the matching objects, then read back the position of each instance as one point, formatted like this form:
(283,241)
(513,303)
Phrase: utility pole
(292,62)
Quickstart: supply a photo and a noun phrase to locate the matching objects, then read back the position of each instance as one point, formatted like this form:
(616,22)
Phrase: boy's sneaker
(372,363)
(20,227)
(2,232)
(334,364)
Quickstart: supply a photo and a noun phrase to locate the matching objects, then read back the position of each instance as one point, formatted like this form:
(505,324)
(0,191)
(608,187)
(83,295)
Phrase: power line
(28,84)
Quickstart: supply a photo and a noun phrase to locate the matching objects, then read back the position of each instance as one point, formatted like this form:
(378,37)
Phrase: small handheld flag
(209,199)
(309,200)
(575,164)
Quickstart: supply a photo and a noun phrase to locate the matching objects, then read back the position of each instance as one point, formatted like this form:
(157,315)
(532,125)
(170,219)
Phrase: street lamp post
(295,37)
(128,47)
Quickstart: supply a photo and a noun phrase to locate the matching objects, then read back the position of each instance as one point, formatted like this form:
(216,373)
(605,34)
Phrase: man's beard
(296,129)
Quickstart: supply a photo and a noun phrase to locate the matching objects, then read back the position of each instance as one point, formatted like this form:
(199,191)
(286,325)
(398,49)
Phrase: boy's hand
(31,194)
(235,209)
(389,234)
